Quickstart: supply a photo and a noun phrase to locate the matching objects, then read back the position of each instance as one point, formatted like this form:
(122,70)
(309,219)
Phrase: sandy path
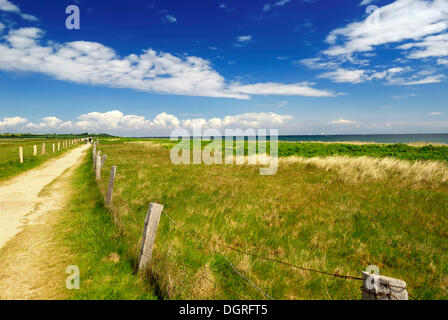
(20,198)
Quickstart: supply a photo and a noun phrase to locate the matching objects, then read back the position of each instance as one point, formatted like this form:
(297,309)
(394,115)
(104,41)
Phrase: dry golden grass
(357,169)
(305,215)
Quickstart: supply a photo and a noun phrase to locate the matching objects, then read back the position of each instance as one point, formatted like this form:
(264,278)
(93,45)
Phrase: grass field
(399,151)
(410,152)
(308,214)
(9,154)
(88,235)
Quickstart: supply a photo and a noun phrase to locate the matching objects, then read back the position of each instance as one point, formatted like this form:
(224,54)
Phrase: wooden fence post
(103,159)
(110,189)
(21,154)
(94,156)
(149,234)
(59,146)
(54,148)
(34,150)
(98,165)
(377,287)
(43,149)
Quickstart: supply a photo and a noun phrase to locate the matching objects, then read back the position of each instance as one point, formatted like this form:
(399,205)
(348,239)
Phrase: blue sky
(301,66)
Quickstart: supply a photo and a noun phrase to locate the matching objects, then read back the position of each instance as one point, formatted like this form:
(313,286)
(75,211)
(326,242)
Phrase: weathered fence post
(43,149)
(110,189)
(377,287)
(103,159)
(54,148)
(149,234)
(59,146)
(94,156)
(34,150)
(21,154)
(98,165)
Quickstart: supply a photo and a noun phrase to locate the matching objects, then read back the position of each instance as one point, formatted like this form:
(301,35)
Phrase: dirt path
(29,204)
(19,197)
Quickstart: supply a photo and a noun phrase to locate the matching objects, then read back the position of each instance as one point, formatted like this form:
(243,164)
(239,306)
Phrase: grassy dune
(365,169)
(9,154)
(307,214)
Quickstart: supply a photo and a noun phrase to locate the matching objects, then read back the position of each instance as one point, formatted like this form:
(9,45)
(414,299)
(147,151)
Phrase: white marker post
(21,154)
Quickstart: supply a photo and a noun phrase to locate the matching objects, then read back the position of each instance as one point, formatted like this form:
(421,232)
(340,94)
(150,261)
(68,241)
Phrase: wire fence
(212,244)
(210,241)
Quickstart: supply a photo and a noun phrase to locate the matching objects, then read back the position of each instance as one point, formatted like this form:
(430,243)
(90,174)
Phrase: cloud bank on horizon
(116,122)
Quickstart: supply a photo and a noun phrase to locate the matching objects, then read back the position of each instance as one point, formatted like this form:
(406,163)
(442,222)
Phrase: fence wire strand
(235,270)
(246,279)
(217,243)
(194,233)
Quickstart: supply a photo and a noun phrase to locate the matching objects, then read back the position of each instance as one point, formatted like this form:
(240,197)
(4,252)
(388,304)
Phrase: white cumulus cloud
(170,18)
(418,28)
(244,38)
(151,71)
(344,75)
(271,88)
(366,2)
(116,122)
(343,121)
(395,22)
(12,122)
(281,3)
(8,6)
(432,46)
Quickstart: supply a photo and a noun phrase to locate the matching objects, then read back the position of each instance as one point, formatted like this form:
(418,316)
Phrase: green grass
(322,149)
(302,215)
(399,150)
(90,236)
(9,154)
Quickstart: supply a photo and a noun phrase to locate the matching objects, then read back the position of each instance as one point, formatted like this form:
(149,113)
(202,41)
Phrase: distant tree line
(54,135)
